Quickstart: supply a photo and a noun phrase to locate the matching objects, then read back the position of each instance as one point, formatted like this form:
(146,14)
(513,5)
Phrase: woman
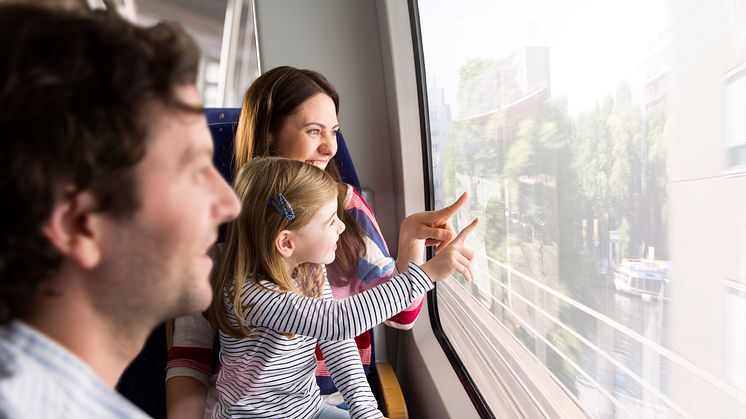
(292,113)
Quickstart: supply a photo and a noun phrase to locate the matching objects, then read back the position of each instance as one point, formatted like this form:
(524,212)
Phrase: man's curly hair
(74,92)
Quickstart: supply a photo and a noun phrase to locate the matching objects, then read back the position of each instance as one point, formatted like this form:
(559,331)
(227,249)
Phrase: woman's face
(310,134)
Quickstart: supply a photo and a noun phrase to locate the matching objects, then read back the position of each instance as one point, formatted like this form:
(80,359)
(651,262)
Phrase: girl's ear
(284,243)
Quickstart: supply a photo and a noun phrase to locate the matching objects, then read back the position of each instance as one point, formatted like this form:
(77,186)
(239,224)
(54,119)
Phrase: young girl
(272,302)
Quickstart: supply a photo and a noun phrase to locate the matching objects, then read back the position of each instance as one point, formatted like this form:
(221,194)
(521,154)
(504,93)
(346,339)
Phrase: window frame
(474,393)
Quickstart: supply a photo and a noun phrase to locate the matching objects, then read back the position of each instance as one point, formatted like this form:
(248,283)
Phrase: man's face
(157,258)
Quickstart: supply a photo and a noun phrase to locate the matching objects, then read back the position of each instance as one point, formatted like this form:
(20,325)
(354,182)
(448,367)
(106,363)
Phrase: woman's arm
(376,266)
(428,228)
(186,397)
(189,367)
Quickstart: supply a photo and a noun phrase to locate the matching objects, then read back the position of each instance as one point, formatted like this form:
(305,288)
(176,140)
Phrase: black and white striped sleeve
(334,319)
(346,369)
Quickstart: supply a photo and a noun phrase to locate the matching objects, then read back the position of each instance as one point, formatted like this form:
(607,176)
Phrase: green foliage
(477,90)
(607,164)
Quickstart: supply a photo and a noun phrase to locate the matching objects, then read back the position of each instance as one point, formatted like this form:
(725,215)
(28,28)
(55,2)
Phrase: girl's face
(310,134)
(316,242)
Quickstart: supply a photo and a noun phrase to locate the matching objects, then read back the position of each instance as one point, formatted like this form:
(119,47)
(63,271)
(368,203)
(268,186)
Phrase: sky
(593,44)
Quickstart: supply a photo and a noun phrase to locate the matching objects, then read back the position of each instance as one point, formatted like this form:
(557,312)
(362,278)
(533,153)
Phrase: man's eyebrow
(192,152)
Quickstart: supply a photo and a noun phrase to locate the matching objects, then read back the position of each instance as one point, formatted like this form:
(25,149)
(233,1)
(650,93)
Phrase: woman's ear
(284,243)
(75,228)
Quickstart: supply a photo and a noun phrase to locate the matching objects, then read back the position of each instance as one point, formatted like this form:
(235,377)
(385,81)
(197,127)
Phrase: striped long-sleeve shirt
(192,354)
(271,375)
(41,379)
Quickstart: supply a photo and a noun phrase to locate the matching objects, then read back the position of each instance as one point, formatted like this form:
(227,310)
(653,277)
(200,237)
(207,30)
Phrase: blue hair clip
(281,206)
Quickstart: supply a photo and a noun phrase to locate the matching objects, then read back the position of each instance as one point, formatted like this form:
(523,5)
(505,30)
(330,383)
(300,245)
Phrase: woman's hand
(453,257)
(434,227)
(426,228)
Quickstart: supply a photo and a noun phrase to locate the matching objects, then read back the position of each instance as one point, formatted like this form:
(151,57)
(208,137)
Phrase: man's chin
(196,301)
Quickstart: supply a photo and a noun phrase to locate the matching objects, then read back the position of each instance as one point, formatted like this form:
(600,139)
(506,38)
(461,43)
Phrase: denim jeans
(331,412)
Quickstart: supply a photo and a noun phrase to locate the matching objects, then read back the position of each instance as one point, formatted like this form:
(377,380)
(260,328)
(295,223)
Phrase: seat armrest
(394,405)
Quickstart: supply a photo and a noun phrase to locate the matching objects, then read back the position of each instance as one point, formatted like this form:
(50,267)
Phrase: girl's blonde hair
(250,253)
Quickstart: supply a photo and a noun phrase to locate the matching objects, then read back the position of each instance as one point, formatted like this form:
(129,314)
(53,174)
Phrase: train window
(602,144)
(223,29)
(735,117)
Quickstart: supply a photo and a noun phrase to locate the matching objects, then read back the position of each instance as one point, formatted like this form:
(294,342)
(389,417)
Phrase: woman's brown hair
(250,253)
(268,102)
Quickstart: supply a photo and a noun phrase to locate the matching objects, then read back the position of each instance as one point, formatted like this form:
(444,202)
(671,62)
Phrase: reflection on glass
(603,147)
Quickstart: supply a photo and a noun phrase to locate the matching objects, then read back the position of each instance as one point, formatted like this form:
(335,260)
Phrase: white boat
(643,277)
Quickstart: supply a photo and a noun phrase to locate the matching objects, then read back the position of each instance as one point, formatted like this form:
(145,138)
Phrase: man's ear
(284,243)
(75,229)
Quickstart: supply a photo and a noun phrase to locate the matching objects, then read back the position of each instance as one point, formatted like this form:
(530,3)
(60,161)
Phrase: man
(110,202)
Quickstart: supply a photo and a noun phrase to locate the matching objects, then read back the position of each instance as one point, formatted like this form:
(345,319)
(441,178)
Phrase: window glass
(601,144)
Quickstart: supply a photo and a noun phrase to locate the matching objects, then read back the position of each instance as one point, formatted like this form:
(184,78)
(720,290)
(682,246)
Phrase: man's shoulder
(37,379)
(28,388)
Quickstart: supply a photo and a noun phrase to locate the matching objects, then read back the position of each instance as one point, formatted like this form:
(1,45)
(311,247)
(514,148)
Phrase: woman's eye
(334,134)
(314,131)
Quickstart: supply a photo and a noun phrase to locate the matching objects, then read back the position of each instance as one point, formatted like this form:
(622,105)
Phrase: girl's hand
(454,257)
(434,227)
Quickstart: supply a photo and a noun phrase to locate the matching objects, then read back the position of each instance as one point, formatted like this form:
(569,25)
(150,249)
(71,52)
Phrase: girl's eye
(314,131)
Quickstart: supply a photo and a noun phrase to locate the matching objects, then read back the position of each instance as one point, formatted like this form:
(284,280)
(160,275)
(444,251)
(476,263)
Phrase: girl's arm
(346,368)
(344,319)
(333,319)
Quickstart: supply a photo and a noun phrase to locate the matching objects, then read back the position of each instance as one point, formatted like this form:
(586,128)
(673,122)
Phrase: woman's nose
(329,145)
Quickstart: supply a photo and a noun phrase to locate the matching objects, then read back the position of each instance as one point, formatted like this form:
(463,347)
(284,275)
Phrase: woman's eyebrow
(319,124)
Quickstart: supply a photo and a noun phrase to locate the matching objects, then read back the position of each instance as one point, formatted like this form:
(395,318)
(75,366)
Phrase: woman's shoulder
(354,201)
